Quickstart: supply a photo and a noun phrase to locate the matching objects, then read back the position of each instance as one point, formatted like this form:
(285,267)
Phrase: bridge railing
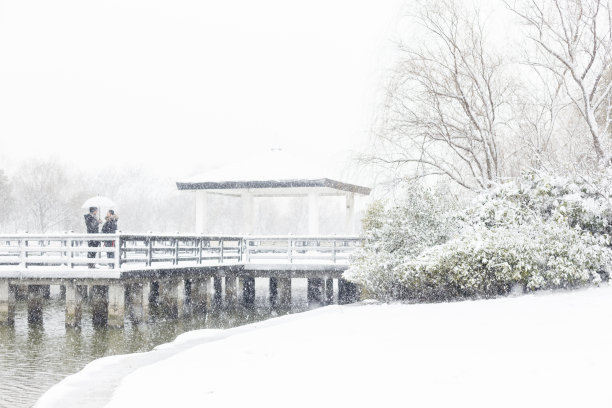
(299,249)
(59,250)
(150,250)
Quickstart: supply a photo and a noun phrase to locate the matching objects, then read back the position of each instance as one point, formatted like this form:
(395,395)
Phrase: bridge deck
(131,270)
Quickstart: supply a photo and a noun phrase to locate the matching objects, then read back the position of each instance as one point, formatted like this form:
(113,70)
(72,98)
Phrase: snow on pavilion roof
(272,170)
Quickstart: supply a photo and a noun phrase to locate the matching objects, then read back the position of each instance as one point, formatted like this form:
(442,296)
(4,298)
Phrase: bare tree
(6,202)
(448,103)
(41,190)
(574,40)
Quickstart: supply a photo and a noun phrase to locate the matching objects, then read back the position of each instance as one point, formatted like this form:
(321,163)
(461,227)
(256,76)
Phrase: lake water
(33,357)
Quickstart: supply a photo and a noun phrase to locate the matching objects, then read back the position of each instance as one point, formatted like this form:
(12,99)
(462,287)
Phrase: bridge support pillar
(46,291)
(138,296)
(21,292)
(230,290)
(200,295)
(315,290)
(36,296)
(98,296)
(172,298)
(217,292)
(348,292)
(62,292)
(329,291)
(247,290)
(116,305)
(284,292)
(7,303)
(273,289)
(74,301)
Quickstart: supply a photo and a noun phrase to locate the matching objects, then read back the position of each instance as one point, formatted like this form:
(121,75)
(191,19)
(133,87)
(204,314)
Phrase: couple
(109,227)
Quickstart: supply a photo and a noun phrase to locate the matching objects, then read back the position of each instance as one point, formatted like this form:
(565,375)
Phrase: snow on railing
(114,250)
(67,250)
(292,249)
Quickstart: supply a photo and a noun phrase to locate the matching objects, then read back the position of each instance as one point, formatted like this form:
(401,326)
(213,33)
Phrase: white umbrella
(99,201)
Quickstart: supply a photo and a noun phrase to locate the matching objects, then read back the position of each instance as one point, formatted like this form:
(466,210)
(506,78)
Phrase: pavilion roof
(274,170)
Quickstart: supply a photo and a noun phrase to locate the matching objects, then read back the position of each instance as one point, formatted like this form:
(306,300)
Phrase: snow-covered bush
(537,232)
(487,262)
(396,232)
(581,201)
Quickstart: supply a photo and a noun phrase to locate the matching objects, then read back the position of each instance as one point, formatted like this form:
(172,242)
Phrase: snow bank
(541,350)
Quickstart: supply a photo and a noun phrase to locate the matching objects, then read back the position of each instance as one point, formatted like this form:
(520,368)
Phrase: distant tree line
(44,196)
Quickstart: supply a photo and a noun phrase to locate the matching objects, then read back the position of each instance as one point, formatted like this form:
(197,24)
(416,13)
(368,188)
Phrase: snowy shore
(542,350)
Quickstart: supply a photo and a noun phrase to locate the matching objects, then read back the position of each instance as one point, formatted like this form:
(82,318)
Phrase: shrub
(396,232)
(488,262)
(538,232)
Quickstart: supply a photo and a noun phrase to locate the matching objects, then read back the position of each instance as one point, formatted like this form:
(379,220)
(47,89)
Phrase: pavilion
(273,174)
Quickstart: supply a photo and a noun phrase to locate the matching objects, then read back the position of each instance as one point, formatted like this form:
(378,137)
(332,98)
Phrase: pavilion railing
(150,250)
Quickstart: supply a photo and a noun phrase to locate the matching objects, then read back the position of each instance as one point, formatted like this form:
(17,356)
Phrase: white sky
(187,84)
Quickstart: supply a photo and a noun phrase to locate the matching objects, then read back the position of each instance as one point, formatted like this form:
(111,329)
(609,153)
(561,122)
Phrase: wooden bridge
(182,273)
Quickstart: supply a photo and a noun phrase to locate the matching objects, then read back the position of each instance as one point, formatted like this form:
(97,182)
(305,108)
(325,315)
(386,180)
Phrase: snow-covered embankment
(548,349)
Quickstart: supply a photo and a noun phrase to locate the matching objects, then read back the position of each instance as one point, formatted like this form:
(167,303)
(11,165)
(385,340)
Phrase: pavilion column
(247,212)
(201,211)
(313,213)
(350,213)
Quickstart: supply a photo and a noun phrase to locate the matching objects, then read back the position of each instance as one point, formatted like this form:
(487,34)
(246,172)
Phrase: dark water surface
(33,357)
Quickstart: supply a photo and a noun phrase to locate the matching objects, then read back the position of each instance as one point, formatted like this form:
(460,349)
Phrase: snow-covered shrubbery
(538,232)
(584,202)
(396,233)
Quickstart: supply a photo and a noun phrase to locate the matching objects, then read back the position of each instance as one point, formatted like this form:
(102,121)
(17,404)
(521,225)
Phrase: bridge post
(217,291)
(284,292)
(139,301)
(329,291)
(200,295)
(315,290)
(46,290)
(247,291)
(116,305)
(117,252)
(172,298)
(7,303)
(230,290)
(273,289)
(74,303)
(36,294)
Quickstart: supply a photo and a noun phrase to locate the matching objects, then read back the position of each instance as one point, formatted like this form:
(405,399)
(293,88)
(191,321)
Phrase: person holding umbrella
(93,224)
(110,227)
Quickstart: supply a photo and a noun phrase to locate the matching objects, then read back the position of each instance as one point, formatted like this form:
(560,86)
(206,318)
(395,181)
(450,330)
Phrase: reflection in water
(35,356)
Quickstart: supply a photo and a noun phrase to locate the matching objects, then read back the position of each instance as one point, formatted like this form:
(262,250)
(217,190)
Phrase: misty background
(124,98)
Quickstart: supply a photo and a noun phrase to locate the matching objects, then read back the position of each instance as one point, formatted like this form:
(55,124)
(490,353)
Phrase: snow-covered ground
(543,350)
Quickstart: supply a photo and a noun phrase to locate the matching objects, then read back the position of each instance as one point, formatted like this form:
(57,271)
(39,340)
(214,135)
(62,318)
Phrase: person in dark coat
(92,224)
(110,227)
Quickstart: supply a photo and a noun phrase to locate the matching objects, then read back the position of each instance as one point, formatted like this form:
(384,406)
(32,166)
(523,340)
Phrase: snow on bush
(396,232)
(487,262)
(584,202)
(538,232)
